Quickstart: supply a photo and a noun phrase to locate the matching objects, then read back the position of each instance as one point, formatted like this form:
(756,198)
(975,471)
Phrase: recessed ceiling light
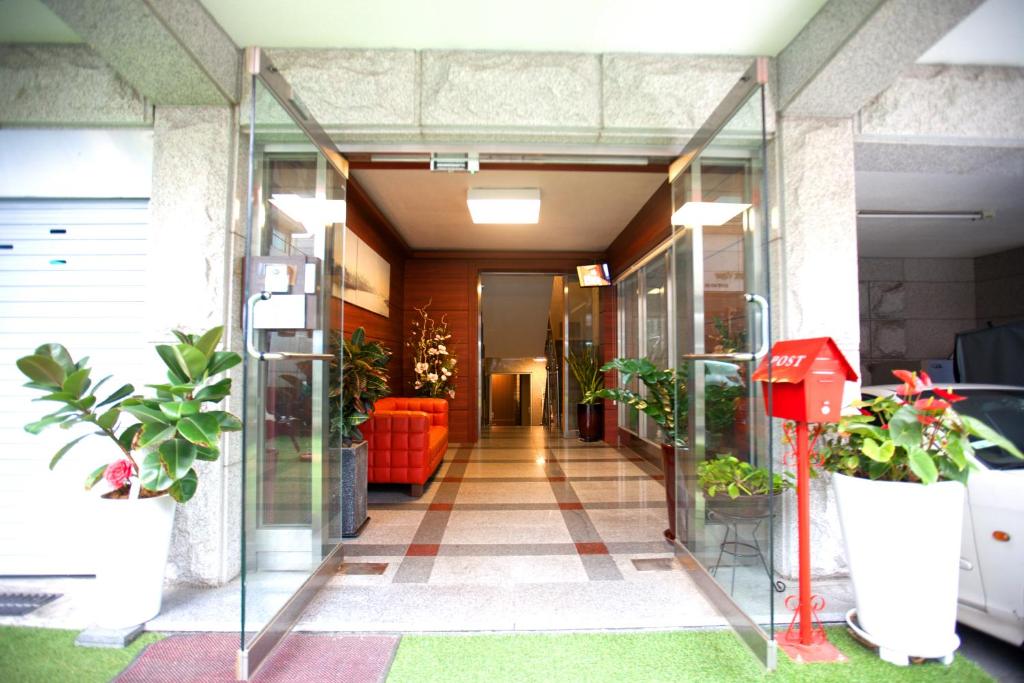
(504,206)
(707,213)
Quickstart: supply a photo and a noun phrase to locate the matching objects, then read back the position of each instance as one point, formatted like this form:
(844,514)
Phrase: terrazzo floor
(522,531)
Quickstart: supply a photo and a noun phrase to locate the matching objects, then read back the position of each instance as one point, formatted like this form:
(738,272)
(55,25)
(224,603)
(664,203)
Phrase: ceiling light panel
(707,213)
(504,206)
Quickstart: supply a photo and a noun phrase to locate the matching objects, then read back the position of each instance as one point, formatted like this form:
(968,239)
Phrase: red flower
(118,472)
(948,395)
(931,405)
(912,382)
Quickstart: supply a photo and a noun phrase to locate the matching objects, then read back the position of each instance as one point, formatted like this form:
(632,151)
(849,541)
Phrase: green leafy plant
(904,437)
(729,476)
(354,390)
(666,389)
(172,430)
(586,368)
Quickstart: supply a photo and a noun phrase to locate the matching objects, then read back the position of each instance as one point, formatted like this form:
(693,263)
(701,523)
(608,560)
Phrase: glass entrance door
(722,331)
(296,214)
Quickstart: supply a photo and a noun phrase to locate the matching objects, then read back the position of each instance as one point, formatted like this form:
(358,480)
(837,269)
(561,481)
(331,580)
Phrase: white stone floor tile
(389,527)
(502,571)
(630,525)
(641,490)
(502,526)
(512,492)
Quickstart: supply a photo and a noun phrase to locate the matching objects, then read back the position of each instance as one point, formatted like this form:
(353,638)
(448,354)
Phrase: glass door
(722,331)
(294,232)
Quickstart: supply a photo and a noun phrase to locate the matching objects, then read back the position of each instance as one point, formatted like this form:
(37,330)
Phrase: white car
(991,596)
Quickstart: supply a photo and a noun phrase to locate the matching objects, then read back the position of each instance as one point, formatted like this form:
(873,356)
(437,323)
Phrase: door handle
(762,304)
(250,340)
(762,348)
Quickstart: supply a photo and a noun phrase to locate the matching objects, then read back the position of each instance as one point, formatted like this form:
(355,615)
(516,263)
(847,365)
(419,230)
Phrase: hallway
(523,531)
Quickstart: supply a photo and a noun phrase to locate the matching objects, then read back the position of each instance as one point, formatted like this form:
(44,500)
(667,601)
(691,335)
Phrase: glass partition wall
(719,261)
(294,235)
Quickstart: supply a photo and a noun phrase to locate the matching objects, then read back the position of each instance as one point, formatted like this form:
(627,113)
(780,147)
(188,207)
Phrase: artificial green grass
(703,656)
(39,655)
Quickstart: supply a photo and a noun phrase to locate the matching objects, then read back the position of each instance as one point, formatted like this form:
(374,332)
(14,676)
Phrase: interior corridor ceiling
(579,211)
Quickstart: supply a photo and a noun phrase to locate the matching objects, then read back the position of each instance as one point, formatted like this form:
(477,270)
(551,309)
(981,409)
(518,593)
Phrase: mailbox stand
(806,377)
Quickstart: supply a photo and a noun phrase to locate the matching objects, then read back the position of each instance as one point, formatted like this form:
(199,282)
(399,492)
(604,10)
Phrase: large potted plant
(898,473)
(586,368)
(355,386)
(665,390)
(155,443)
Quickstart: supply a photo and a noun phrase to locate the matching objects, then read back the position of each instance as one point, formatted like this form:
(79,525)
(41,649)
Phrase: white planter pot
(903,545)
(134,537)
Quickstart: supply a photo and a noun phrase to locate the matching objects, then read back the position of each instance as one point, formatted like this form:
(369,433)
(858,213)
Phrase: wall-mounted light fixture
(504,206)
(707,213)
(950,215)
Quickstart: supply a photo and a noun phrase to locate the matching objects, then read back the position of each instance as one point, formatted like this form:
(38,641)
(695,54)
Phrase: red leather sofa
(407,438)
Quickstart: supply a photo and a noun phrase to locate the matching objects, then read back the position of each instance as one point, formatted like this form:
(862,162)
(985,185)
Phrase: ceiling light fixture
(310,211)
(504,206)
(707,213)
(951,215)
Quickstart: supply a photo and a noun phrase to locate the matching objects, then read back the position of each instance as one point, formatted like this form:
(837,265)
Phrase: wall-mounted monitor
(595,275)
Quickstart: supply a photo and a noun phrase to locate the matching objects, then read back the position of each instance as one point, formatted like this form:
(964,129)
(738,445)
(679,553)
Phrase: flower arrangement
(433,363)
(157,452)
(906,436)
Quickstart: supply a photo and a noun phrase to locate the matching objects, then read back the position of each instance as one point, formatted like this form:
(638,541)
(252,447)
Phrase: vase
(135,536)
(590,421)
(902,543)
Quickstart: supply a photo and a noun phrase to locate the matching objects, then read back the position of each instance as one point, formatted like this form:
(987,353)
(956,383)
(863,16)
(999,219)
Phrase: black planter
(348,470)
(590,420)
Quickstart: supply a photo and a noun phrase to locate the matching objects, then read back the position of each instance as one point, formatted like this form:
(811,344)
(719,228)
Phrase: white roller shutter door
(71,272)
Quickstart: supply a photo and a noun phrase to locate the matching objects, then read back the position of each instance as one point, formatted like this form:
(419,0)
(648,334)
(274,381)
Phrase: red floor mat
(210,658)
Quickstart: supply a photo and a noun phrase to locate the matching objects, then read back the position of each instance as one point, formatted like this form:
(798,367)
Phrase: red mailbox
(807,377)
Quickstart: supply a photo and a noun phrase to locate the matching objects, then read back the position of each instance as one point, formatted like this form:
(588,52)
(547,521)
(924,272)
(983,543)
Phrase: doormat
(20,604)
(210,658)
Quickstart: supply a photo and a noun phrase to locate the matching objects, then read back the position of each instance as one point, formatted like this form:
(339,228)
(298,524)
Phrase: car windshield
(1003,410)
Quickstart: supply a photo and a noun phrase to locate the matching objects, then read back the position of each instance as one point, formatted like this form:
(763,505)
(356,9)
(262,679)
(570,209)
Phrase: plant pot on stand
(903,545)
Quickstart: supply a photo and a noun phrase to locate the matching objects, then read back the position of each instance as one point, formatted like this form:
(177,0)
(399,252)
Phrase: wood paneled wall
(448,282)
(372,227)
(651,226)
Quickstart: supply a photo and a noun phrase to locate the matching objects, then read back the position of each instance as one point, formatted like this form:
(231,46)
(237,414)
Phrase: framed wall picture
(366,275)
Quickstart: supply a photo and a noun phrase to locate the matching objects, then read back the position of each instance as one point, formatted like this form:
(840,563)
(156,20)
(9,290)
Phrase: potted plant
(586,368)
(354,387)
(666,389)
(738,489)
(898,472)
(156,444)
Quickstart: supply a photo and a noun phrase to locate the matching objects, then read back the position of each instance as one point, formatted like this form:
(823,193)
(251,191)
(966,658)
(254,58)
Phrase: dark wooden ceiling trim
(486,166)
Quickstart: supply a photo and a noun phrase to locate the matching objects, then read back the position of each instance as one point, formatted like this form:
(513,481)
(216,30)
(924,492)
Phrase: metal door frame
(761,643)
(253,654)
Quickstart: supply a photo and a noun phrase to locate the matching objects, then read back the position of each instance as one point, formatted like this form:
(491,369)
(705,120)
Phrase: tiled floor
(521,531)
